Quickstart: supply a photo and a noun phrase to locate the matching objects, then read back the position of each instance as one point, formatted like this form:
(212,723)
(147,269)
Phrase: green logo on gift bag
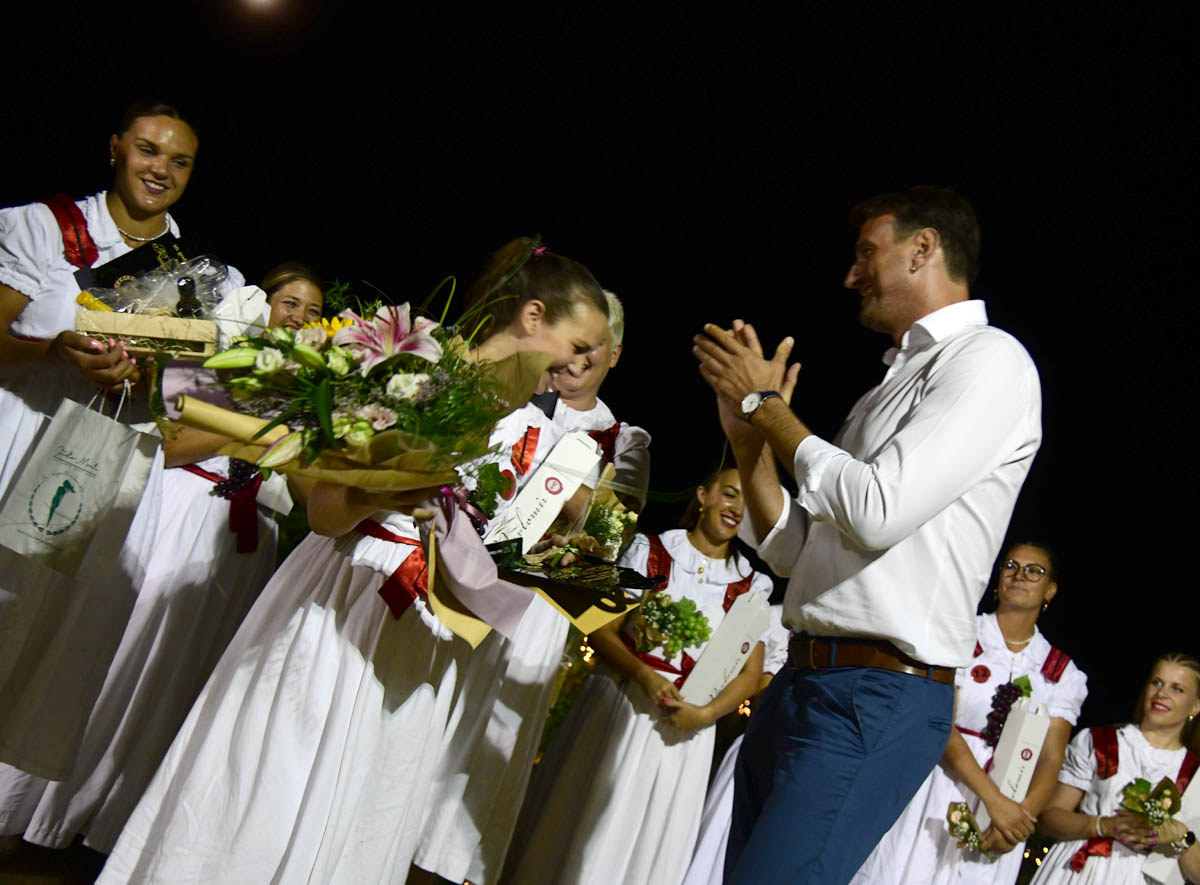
(56,503)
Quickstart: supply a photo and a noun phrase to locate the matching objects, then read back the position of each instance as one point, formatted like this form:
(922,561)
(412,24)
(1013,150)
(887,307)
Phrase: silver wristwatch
(751,401)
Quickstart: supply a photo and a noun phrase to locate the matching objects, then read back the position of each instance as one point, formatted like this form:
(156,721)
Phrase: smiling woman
(619,793)
(60,635)
(1100,841)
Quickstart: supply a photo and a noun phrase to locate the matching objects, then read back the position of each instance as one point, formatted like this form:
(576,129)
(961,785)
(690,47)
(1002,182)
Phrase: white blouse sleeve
(636,555)
(29,240)
(1079,765)
(631,457)
(1069,694)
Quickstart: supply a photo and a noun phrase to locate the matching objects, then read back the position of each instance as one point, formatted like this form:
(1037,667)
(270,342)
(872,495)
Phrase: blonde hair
(616,317)
(1179,659)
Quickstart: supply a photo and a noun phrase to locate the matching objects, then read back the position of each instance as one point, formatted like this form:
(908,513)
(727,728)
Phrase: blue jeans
(830,759)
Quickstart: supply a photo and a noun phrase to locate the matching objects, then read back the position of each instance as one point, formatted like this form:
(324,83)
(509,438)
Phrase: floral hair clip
(537,253)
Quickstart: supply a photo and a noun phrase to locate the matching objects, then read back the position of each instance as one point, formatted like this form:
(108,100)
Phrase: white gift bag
(79,489)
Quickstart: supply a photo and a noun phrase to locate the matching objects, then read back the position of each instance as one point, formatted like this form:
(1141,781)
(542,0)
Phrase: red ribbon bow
(607,440)
(243,508)
(411,577)
(1093,847)
(662,664)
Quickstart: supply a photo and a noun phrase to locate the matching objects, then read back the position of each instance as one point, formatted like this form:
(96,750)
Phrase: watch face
(1190,838)
(750,402)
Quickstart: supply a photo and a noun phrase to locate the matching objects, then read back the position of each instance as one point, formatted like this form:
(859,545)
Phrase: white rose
(269,360)
(405,386)
(338,361)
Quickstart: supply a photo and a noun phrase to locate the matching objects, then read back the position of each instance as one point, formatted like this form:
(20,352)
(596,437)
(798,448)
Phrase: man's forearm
(782,430)
(760,486)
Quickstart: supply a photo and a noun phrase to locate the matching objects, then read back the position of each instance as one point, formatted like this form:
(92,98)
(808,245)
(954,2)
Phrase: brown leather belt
(816,653)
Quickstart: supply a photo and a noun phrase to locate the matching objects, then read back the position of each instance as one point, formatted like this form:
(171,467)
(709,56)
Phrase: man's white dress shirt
(897,523)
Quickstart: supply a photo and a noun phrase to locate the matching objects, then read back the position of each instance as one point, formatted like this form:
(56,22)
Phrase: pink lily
(388,334)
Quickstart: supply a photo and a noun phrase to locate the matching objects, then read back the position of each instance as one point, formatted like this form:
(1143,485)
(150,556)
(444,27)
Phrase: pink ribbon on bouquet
(467,569)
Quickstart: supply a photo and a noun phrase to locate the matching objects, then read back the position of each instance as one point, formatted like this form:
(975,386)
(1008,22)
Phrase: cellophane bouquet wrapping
(380,400)
(166,311)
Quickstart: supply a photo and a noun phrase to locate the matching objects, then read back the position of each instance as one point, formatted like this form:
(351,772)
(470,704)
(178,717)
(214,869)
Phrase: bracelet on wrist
(1100,827)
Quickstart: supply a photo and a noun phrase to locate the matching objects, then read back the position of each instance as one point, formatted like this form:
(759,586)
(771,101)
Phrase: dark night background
(701,162)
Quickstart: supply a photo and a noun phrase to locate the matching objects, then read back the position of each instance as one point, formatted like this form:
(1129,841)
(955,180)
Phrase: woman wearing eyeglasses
(919,848)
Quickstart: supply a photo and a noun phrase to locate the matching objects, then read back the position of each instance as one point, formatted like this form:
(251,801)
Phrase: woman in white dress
(919,848)
(480,783)
(618,795)
(308,755)
(708,860)
(58,634)
(1099,842)
(201,579)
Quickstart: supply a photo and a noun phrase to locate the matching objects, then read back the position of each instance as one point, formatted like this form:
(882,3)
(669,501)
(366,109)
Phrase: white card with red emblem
(1017,752)
(729,646)
(541,500)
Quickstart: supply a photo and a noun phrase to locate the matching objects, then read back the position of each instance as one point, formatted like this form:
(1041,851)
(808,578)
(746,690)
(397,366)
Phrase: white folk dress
(918,848)
(1136,758)
(618,795)
(481,782)
(308,755)
(197,591)
(57,634)
(708,860)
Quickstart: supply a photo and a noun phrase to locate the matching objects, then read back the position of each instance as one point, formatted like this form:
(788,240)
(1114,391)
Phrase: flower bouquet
(664,623)
(381,402)
(1154,805)
(609,525)
(964,827)
(588,591)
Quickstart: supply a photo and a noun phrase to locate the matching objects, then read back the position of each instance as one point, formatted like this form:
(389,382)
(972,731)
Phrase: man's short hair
(937,207)
(616,317)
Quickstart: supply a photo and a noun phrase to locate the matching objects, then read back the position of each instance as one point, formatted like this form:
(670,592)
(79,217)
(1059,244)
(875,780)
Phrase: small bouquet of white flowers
(964,828)
(1154,805)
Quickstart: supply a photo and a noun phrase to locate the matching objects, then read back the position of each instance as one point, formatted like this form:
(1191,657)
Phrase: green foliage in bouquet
(1155,805)
(490,486)
(339,298)
(608,525)
(661,622)
(346,380)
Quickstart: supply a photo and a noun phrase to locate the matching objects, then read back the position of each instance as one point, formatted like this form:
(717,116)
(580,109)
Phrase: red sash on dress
(410,579)
(1055,665)
(659,563)
(607,440)
(1104,742)
(243,508)
(80,249)
(524,449)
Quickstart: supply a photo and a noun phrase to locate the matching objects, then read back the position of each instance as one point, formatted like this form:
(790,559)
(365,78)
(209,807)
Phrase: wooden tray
(188,338)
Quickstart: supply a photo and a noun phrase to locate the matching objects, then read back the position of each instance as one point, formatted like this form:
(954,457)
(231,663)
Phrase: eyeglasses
(1032,570)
